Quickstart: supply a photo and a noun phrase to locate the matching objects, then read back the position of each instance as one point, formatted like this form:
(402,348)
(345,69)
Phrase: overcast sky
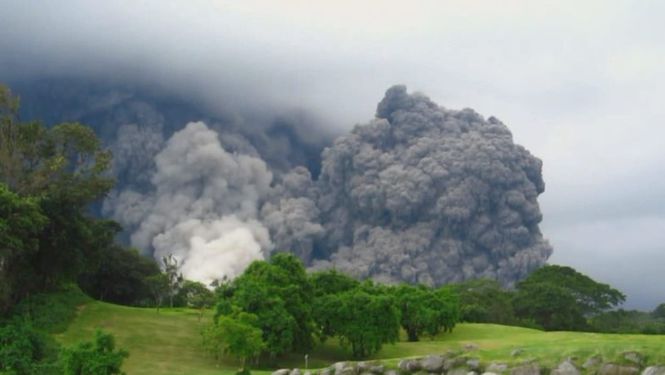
(580,84)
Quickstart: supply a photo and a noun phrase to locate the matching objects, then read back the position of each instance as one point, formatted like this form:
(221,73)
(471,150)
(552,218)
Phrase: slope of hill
(168,342)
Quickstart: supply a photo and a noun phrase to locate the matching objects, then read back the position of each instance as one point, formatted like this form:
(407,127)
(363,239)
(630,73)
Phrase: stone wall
(452,363)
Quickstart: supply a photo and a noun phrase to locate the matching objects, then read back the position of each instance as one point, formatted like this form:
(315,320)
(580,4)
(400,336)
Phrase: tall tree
(362,321)
(560,298)
(175,279)
(21,221)
(236,335)
(485,301)
(64,167)
(424,310)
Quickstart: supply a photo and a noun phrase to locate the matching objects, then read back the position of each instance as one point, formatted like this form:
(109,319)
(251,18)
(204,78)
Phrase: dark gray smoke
(420,194)
(430,195)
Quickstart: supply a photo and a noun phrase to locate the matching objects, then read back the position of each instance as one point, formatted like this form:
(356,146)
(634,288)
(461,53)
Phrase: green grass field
(168,342)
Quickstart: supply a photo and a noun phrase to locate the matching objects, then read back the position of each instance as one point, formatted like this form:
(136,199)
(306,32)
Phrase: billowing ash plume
(429,195)
(419,194)
(292,214)
(204,206)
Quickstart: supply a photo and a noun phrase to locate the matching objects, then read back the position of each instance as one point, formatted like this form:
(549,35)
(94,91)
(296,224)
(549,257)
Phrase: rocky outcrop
(614,369)
(462,363)
(526,369)
(566,368)
(654,370)
(432,363)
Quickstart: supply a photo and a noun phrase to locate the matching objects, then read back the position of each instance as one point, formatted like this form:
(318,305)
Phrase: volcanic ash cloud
(426,194)
(203,207)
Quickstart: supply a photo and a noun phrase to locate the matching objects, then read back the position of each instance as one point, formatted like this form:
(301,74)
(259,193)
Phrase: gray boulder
(497,368)
(432,363)
(458,371)
(326,371)
(362,367)
(470,347)
(307,372)
(344,368)
(283,371)
(592,361)
(654,370)
(473,363)
(409,365)
(566,368)
(391,372)
(633,357)
(516,352)
(451,363)
(614,369)
(377,369)
(526,369)
(490,373)
(295,372)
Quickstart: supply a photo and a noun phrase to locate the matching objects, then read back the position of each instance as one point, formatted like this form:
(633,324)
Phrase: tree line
(275,307)
(556,298)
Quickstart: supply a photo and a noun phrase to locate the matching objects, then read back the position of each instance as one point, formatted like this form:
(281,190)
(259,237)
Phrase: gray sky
(580,84)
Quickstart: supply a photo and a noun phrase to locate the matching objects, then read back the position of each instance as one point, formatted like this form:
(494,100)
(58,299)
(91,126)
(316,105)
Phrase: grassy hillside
(168,342)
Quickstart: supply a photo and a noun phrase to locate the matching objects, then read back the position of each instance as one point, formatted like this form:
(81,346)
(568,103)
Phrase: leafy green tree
(236,335)
(120,277)
(659,311)
(159,288)
(280,294)
(65,161)
(331,282)
(424,310)
(21,221)
(64,167)
(195,295)
(560,298)
(277,325)
(485,301)
(98,357)
(362,321)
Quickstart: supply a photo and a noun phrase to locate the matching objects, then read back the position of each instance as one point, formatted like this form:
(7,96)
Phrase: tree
(21,221)
(485,301)
(159,288)
(64,168)
(277,325)
(236,335)
(23,350)
(659,312)
(424,310)
(195,295)
(120,277)
(65,161)
(560,298)
(98,357)
(331,282)
(363,321)
(280,294)
(173,275)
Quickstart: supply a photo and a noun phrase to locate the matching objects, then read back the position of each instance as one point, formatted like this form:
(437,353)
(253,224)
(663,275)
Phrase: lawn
(168,342)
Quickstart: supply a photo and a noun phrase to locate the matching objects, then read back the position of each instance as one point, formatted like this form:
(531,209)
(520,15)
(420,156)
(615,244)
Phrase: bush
(98,357)
(23,350)
(52,312)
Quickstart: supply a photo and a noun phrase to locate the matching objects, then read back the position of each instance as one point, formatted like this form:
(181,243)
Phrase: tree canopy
(560,298)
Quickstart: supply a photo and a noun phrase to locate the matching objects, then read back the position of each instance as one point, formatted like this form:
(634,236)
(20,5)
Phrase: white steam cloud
(203,208)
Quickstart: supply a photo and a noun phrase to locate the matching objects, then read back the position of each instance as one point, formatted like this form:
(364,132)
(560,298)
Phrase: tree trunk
(412,334)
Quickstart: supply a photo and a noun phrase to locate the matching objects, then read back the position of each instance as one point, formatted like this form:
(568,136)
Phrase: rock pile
(453,363)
